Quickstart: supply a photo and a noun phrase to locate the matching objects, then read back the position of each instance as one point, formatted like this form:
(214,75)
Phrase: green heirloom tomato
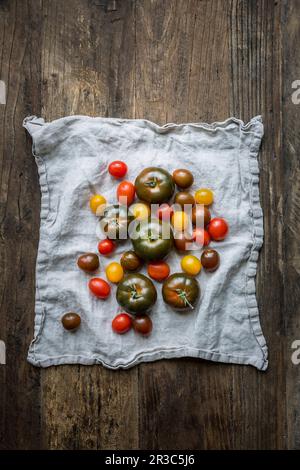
(181,291)
(136,293)
(154,185)
(152,240)
(114,222)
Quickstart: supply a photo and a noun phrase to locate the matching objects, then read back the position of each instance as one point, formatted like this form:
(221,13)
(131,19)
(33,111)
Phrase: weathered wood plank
(87,61)
(182,60)
(255,44)
(175,60)
(291,211)
(182,76)
(205,61)
(19,223)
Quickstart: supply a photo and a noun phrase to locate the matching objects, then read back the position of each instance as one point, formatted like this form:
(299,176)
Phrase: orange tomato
(204,196)
(97,203)
(191,265)
(114,272)
(158,270)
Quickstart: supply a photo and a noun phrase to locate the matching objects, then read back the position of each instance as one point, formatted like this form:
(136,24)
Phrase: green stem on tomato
(134,294)
(182,295)
(152,183)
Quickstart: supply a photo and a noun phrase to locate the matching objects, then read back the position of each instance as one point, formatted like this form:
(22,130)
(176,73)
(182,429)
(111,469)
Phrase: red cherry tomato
(99,287)
(105,247)
(117,169)
(158,270)
(121,323)
(217,229)
(201,236)
(165,212)
(126,193)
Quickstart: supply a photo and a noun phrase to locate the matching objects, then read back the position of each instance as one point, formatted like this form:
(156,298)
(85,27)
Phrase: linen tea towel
(72,156)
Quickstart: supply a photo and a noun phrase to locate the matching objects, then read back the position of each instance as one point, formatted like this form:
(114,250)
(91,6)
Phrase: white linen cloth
(72,155)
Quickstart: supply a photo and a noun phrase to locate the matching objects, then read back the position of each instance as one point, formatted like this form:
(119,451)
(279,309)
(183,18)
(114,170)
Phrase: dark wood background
(168,61)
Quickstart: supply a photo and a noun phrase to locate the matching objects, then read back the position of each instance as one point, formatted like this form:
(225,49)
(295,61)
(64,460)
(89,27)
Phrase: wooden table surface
(167,61)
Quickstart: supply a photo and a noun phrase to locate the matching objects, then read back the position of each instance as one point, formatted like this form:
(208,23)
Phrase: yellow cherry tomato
(204,196)
(140,211)
(191,265)
(97,203)
(180,221)
(114,272)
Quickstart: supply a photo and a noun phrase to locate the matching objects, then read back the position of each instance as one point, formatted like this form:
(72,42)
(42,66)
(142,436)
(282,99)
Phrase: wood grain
(164,60)
(291,215)
(19,223)
(255,44)
(183,403)
(87,61)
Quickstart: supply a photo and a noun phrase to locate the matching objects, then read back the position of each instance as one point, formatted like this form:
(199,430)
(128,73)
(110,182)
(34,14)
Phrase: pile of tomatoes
(136,293)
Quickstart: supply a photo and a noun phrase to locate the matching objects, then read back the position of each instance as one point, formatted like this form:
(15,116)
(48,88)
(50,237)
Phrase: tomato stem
(182,294)
(152,183)
(134,293)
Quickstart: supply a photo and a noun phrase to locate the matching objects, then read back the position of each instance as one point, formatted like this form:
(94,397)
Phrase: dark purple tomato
(183,178)
(89,262)
(200,215)
(210,260)
(142,324)
(71,321)
(130,261)
(183,198)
